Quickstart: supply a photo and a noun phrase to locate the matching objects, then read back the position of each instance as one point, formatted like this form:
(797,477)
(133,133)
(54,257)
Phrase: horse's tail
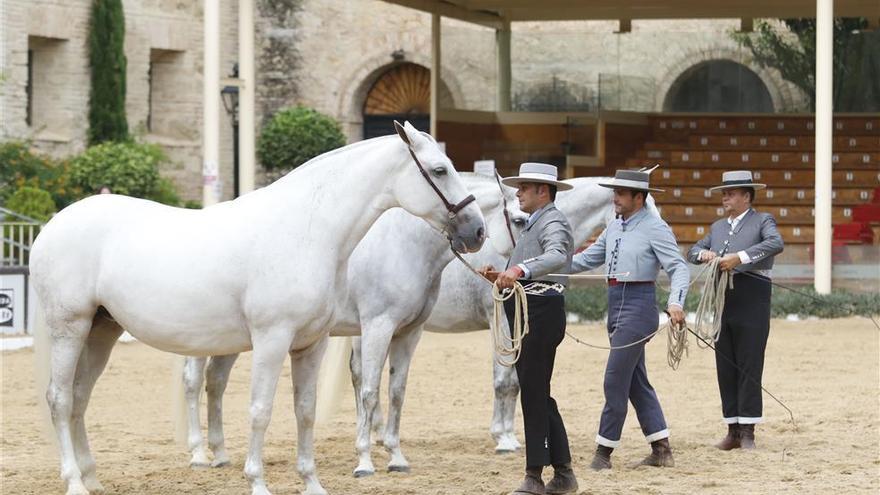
(42,362)
(333,377)
(179,409)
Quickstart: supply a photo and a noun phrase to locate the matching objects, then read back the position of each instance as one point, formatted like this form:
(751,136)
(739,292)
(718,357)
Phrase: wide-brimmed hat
(737,178)
(637,180)
(541,173)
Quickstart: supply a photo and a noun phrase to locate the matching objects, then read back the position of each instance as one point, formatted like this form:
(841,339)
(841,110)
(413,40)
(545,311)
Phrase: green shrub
(295,136)
(126,168)
(165,193)
(32,202)
(20,167)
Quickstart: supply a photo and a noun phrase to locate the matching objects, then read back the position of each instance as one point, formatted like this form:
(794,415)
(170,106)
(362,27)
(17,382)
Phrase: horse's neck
(345,193)
(585,213)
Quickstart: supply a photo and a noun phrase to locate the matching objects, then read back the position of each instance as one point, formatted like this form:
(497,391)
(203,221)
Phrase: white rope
(509,346)
(711,306)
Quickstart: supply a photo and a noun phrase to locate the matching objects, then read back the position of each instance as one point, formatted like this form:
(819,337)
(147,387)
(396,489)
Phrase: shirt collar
(734,221)
(634,218)
(537,213)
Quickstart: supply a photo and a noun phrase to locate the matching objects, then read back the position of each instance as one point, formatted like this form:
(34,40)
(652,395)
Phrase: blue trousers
(632,315)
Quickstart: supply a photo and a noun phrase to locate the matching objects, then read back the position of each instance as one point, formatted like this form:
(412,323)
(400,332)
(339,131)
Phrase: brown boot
(532,484)
(732,440)
(563,480)
(661,455)
(747,436)
(602,458)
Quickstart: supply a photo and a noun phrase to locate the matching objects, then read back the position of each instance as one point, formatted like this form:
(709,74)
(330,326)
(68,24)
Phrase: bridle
(452,209)
(506,213)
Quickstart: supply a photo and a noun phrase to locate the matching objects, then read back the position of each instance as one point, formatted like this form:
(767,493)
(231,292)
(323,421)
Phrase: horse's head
(494,200)
(429,187)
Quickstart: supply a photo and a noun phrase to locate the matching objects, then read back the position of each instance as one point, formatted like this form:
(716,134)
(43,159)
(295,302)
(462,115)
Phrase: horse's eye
(519,222)
(439,171)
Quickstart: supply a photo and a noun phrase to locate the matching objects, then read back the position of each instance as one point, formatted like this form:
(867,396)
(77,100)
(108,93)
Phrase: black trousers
(745,327)
(546,439)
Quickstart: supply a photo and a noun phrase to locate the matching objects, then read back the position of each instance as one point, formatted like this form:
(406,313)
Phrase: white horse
(465,304)
(393,280)
(259,273)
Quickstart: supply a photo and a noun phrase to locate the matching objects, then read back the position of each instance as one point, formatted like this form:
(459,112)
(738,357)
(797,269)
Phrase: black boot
(661,455)
(732,440)
(563,480)
(602,458)
(747,436)
(532,483)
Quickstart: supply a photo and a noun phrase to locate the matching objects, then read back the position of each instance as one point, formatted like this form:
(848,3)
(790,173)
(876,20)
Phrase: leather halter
(506,213)
(453,209)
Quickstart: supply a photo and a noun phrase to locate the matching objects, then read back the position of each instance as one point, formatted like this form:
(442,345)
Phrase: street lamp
(230,103)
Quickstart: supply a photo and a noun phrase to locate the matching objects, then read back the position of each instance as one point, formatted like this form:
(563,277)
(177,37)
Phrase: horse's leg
(376,337)
(91,364)
(270,349)
(400,356)
(193,378)
(218,371)
(305,366)
(506,389)
(68,338)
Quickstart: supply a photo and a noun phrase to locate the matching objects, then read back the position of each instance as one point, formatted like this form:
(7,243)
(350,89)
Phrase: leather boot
(747,436)
(602,458)
(532,484)
(661,455)
(563,480)
(732,440)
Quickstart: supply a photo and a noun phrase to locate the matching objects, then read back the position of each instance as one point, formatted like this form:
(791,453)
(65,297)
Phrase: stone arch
(781,94)
(355,90)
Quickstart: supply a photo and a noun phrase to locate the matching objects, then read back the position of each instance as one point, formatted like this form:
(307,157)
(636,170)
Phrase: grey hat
(735,179)
(638,180)
(541,173)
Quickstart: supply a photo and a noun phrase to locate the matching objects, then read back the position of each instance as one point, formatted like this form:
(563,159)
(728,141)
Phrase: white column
(246,148)
(824,116)
(435,71)
(502,43)
(211,104)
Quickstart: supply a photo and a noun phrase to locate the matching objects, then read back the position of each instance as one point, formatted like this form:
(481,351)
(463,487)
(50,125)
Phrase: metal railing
(19,232)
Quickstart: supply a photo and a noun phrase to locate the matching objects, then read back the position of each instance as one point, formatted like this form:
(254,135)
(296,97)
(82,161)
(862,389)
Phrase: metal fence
(19,232)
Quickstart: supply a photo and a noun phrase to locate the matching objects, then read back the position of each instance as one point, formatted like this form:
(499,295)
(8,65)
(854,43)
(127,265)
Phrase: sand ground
(827,371)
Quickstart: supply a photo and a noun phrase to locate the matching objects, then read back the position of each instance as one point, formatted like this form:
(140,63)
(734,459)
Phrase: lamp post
(230,103)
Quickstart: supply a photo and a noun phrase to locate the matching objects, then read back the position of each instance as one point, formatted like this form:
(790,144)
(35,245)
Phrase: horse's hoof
(363,473)
(505,450)
(221,463)
(77,489)
(200,464)
(94,486)
(398,469)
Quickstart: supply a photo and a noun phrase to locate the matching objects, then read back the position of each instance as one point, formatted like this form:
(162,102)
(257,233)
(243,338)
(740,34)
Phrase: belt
(613,281)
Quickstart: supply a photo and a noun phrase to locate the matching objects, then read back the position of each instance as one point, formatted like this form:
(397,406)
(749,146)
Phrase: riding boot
(532,484)
(602,458)
(660,456)
(732,440)
(747,436)
(563,480)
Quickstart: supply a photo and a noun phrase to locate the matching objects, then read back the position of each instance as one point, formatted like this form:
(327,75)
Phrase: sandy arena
(827,371)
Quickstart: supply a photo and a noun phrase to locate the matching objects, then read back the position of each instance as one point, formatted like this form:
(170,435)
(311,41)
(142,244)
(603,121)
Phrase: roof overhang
(493,13)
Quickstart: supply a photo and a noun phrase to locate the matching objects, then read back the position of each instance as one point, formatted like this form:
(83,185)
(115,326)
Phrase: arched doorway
(718,86)
(401,93)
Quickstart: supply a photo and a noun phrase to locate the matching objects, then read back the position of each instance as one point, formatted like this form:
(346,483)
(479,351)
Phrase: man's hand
(506,279)
(729,262)
(675,314)
(707,255)
(486,269)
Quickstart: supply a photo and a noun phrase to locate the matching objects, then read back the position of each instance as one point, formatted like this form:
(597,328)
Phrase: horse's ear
(401,131)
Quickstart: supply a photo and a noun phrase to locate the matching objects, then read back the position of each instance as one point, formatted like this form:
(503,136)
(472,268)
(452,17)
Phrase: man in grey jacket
(746,241)
(544,247)
(633,248)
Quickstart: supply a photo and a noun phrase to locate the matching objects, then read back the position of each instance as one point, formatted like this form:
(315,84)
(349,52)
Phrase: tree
(856,56)
(295,136)
(107,121)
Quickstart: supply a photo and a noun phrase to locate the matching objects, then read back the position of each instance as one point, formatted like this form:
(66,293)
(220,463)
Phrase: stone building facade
(327,54)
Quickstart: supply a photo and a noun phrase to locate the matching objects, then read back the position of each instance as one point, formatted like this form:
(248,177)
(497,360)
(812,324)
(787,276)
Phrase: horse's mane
(345,149)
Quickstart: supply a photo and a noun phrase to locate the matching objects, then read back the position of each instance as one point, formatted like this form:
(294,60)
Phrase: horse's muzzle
(467,233)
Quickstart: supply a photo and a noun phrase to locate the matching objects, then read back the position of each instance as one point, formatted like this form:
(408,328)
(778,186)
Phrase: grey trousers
(632,315)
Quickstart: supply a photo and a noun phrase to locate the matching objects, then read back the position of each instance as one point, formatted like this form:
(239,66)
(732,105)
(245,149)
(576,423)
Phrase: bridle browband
(453,209)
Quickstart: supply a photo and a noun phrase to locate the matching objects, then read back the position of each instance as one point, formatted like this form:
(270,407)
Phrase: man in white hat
(633,248)
(747,241)
(545,246)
